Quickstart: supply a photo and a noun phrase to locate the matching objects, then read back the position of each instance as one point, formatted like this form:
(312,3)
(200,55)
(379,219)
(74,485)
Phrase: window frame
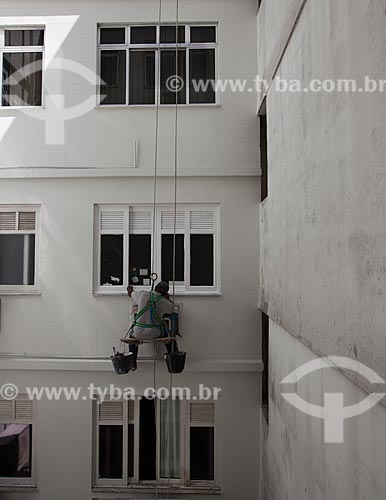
(21,482)
(134,482)
(181,288)
(21,49)
(24,289)
(157,47)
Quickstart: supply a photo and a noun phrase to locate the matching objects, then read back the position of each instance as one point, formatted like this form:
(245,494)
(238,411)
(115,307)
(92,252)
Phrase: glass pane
(111,259)
(170,443)
(202,76)
(201,260)
(25,88)
(15,450)
(167,251)
(140,259)
(130,458)
(147,441)
(110,451)
(113,76)
(168,34)
(113,35)
(202,453)
(143,34)
(14,268)
(203,34)
(170,85)
(142,77)
(26,38)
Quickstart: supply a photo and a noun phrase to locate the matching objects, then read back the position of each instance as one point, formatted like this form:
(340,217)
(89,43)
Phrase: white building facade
(76,227)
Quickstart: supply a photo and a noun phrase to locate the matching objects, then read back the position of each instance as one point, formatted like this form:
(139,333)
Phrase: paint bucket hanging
(175,361)
(122,362)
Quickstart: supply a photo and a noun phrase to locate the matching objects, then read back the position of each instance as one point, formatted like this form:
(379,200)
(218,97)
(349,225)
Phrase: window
(263,151)
(133,57)
(18,248)
(265,357)
(21,52)
(124,247)
(16,442)
(127,433)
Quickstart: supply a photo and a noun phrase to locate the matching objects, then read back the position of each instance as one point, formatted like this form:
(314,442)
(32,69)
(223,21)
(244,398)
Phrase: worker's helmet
(162,288)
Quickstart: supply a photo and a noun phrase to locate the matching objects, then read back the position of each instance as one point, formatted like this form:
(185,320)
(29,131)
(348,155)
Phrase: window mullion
(125,437)
(187,252)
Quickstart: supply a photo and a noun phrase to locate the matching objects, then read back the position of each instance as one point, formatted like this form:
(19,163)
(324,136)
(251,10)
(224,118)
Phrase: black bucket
(122,363)
(175,361)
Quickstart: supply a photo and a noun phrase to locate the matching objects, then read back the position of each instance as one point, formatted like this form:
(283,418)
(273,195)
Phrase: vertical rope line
(175,157)
(157,89)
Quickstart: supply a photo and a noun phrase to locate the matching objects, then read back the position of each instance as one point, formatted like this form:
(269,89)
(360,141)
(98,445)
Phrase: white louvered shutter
(131,411)
(23,410)
(27,221)
(112,220)
(202,413)
(6,411)
(167,220)
(202,220)
(7,221)
(140,220)
(110,411)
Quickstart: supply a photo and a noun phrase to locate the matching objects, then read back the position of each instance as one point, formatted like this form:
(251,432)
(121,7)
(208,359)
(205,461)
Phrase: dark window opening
(15,450)
(110,451)
(167,261)
(110,36)
(172,88)
(168,34)
(24,38)
(147,440)
(139,259)
(201,260)
(203,34)
(265,358)
(19,91)
(17,259)
(142,77)
(130,458)
(263,152)
(202,453)
(143,34)
(111,260)
(113,76)
(202,76)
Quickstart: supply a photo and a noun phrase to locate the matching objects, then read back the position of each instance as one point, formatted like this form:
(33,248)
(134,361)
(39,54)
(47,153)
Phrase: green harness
(157,321)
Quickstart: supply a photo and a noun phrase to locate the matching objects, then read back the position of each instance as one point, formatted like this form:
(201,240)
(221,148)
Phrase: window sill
(4,293)
(153,106)
(6,108)
(177,294)
(17,487)
(136,488)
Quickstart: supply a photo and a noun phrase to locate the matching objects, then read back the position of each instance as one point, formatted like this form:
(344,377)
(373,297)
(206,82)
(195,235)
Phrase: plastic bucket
(175,361)
(122,363)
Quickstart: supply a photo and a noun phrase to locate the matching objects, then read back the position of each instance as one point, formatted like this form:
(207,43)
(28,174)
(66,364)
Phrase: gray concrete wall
(323,235)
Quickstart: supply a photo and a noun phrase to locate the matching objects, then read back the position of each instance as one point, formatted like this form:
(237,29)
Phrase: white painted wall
(323,240)
(301,466)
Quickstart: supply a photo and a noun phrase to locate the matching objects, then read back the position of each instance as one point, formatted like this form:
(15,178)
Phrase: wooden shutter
(202,413)
(202,220)
(112,220)
(23,410)
(167,220)
(7,221)
(6,411)
(131,411)
(140,220)
(27,221)
(111,411)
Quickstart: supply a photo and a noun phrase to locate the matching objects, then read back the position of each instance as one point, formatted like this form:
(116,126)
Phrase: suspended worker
(149,322)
